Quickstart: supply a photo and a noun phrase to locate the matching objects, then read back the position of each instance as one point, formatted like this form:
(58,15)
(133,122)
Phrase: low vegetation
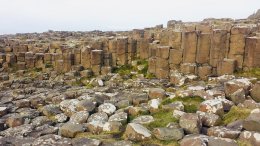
(255,73)
(191,104)
(235,113)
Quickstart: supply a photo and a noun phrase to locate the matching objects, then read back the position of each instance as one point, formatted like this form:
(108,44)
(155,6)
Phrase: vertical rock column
(162,62)
(189,46)
(29,60)
(252,53)
(143,48)
(122,53)
(39,60)
(112,48)
(237,44)
(77,56)
(219,47)
(86,57)
(96,61)
(67,61)
(132,46)
(203,55)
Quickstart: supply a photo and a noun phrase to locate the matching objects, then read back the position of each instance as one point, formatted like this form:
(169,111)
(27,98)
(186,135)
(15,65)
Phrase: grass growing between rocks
(255,73)
(191,104)
(156,142)
(161,119)
(234,114)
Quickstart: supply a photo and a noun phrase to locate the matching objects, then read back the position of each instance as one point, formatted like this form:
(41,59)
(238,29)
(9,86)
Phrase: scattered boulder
(156,93)
(145,119)
(69,106)
(190,123)
(168,133)
(217,141)
(52,139)
(235,84)
(255,92)
(252,122)
(14,121)
(86,105)
(224,132)
(194,140)
(214,106)
(119,117)
(250,138)
(79,117)
(98,117)
(107,108)
(85,142)
(209,119)
(70,129)
(137,132)
(174,106)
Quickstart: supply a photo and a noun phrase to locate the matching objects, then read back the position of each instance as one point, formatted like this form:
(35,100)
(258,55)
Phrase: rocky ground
(127,107)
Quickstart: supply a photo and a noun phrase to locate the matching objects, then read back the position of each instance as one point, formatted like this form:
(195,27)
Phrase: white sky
(83,15)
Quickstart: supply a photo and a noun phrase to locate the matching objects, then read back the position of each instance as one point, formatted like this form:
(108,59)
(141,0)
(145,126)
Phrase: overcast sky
(83,15)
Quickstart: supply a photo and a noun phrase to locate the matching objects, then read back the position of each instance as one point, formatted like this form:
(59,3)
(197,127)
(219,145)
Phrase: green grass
(161,119)
(191,104)
(235,113)
(255,72)
(155,141)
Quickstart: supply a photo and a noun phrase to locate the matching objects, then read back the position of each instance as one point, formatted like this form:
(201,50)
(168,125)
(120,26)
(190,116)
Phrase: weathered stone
(79,117)
(70,130)
(145,119)
(51,110)
(252,122)
(255,92)
(153,105)
(98,117)
(233,85)
(238,96)
(194,140)
(69,106)
(214,106)
(15,121)
(250,138)
(113,127)
(3,111)
(168,133)
(86,105)
(52,139)
(107,108)
(217,141)
(156,93)
(177,114)
(190,123)
(85,142)
(137,132)
(209,119)
(223,132)
(174,106)
(119,117)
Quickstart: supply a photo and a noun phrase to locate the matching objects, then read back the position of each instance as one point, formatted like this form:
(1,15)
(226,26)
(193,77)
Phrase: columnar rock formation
(211,47)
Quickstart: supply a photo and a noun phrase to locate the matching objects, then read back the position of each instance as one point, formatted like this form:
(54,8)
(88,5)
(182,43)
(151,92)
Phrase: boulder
(235,84)
(137,132)
(119,117)
(107,108)
(168,133)
(191,123)
(154,104)
(14,121)
(255,92)
(69,106)
(250,138)
(113,127)
(194,140)
(79,117)
(70,129)
(52,139)
(83,141)
(209,119)
(224,132)
(252,122)
(177,114)
(3,111)
(145,119)
(98,117)
(238,96)
(174,106)
(213,106)
(217,141)
(51,110)
(86,105)
(156,93)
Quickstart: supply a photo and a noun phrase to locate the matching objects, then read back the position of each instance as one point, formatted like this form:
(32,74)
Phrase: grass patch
(191,104)
(156,142)
(254,73)
(150,76)
(234,114)
(161,119)
(48,65)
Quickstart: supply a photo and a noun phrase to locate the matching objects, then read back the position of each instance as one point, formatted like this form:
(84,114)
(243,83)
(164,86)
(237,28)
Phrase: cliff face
(255,15)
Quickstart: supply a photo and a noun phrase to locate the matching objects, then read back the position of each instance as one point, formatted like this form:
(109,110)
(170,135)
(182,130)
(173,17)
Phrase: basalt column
(122,54)
(162,62)
(96,61)
(237,44)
